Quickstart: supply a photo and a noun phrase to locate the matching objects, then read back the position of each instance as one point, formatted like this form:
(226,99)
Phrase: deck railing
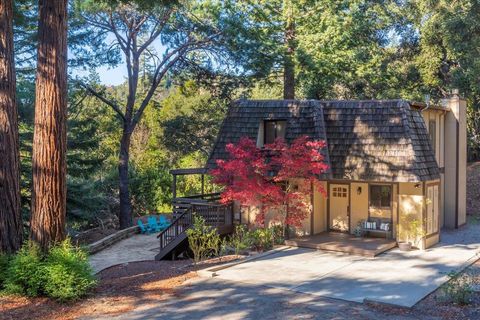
(215,215)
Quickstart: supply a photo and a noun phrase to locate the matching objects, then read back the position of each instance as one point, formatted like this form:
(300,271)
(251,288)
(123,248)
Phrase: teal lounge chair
(153,224)
(163,222)
(143,228)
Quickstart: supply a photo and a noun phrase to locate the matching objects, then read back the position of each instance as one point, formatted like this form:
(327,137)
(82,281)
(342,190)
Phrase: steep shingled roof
(379,141)
(367,140)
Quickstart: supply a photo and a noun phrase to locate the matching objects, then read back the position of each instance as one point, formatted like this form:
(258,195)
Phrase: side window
(380,196)
(274,129)
(432,132)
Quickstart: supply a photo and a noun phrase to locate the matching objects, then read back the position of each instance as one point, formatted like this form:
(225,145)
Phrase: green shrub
(240,239)
(68,275)
(262,239)
(4,261)
(278,237)
(62,274)
(25,272)
(459,288)
(204,241)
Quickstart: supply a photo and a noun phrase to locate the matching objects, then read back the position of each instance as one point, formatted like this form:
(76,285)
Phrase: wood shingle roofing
(367,140)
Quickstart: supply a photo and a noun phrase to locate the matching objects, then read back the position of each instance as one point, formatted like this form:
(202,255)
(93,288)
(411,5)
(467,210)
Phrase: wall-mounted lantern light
(359,190)
(417,185)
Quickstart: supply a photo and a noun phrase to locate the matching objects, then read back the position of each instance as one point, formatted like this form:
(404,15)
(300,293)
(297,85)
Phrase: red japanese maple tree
(267,177)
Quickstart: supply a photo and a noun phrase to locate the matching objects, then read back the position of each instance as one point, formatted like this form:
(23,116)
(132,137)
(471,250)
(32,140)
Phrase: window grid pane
(380,196)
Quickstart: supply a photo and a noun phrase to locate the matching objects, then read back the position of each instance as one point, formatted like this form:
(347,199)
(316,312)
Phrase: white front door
(339,207)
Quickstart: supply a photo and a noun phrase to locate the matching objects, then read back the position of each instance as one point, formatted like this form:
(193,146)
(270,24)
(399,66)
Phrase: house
(390,161)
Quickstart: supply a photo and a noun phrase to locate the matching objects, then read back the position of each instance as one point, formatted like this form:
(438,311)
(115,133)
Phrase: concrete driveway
(400,278)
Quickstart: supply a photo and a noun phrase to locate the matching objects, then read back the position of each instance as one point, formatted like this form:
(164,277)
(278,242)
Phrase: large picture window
(274,129)
(380,196)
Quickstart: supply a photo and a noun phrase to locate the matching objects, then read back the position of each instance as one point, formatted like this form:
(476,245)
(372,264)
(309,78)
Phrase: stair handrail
(190,211)
(173,225)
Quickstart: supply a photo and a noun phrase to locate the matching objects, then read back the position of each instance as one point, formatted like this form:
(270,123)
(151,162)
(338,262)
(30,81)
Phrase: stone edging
(211,272)
(112,239)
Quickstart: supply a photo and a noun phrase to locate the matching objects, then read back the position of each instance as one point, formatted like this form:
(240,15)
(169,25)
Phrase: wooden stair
(173,240)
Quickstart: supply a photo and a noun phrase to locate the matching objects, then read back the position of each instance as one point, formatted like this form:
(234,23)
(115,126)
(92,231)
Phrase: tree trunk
(289,65)
(10,215)
(50,133)
(125,214)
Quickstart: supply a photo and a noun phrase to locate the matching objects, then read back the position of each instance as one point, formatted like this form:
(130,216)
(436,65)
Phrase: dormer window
(274,129)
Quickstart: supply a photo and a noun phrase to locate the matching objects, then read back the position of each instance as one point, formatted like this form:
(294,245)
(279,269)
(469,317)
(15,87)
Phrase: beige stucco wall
(411,202)
(395,210)
(412,206)
(276,216)
(455,196)
(359,204)
(320,210)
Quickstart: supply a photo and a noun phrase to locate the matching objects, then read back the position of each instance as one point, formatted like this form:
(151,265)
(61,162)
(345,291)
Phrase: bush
(278,237)
(204,240)
(259,239)
(459,288)
(4,261)
(25,271)
(62,274)
(240,239)
(68,276)
(263,239)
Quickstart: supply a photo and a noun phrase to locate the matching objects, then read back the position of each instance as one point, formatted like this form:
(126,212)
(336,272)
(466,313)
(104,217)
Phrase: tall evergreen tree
(192,33)
(50,133)
(10,216)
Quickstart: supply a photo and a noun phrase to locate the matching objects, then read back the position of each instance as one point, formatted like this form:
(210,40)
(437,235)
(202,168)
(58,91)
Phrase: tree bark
(289,65)
(125,215)
(50,138)
(10,214)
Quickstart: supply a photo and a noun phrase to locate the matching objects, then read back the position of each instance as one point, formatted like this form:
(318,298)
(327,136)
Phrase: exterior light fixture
(359,190)
(417,185)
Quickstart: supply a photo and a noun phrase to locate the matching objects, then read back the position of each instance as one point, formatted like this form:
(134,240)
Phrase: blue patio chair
(163,222)
(143,228)
(153,224)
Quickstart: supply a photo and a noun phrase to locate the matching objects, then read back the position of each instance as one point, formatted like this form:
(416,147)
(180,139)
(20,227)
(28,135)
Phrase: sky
(112,76)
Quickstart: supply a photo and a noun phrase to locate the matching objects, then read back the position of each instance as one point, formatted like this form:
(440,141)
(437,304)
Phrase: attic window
(274,129)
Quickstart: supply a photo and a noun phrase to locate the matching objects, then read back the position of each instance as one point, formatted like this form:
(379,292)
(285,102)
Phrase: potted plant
(410,230)
(357,231)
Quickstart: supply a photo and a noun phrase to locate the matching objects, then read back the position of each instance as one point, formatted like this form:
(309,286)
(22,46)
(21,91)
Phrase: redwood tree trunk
(288,64)
(50,133)
(125,214)
(10,215)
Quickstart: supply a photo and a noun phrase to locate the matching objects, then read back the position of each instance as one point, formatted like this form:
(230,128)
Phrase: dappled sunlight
(396,277)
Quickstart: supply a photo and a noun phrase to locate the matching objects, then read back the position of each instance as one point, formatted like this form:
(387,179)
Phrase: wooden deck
(341,242)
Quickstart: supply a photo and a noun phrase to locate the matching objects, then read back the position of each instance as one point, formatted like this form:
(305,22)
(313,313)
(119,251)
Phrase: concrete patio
(139,247)
(395,277)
